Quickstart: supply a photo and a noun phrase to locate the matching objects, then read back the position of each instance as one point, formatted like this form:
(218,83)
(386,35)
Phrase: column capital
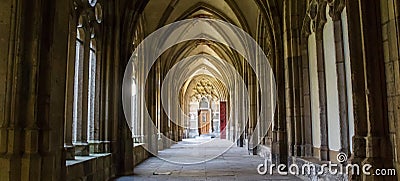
(335,8)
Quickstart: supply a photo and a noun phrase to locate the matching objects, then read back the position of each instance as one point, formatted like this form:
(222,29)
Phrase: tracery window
(84,125)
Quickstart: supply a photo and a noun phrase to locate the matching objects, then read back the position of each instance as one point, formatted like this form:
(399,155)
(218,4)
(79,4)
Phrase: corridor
(234,164)
(96,90)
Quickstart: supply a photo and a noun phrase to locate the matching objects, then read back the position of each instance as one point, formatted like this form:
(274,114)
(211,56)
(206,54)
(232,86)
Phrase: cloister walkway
(234,164)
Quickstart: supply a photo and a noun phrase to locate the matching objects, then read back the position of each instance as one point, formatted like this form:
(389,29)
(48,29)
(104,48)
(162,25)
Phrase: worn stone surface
(93,167)
(234,164)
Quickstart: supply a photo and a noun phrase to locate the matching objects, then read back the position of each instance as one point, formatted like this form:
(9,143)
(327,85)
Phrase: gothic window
(78,76)
(204,103)
(92,90)
(84,124)
(135,123)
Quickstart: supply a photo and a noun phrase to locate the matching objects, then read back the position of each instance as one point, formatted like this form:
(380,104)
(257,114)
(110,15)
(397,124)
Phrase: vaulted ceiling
(249,15)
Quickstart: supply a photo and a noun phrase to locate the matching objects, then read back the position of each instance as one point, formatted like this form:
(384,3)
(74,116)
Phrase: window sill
(138,144)
(81,159)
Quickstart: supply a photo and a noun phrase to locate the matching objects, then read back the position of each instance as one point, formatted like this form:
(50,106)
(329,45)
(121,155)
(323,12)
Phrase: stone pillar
(31,160)
(106,97)
(151,133)
(53,160)
(360,127)
(121,139)
(163,127)
(357,71)
(335,10)
(371,126)
(289,104)
(53,80)
(279,130)
(69,98)
(292,81)
(324,150)
(390,30)
(37,39)
(10,130)
(235,105)
(102,101)
(95,141)
(242,104)
(296,66)
(306,113)
(252,89)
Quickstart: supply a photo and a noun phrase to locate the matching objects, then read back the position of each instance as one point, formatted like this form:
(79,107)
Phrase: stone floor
(234,164)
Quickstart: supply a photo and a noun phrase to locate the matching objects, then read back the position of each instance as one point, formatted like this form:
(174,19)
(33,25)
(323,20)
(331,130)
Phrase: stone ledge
(137,144)
(80,159)
(92,167)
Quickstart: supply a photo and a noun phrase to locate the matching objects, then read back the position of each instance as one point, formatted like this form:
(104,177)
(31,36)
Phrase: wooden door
(222,119)
(204,122)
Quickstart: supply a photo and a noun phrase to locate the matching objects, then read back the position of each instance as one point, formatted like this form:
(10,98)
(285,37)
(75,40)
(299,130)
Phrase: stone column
(296,66)
(288,81)
(181,117)
(391,30)
(95,141)
(169,126)
(235,106)
(106,123)
(39,85)
(163,127)
(102,101)
(53,80)
(152,135)
(306,113)
(279,143)
(335,12)
(289,104)
(369,87)
(139,99)
(357,71)
(29,101)
(324,149)
(240,119)
(252,89)
(10,65)
(121,139)
(69,98)
(292,81)
(370,139)
(176,112)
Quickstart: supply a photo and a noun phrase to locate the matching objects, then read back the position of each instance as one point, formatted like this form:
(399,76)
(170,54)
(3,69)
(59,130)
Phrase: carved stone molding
(306,29)
(320,19)
(315,19)
(204,87)
(335,8)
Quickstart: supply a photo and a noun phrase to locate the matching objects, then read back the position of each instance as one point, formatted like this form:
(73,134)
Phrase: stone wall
(99,166)
(390,39)
(139,154)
